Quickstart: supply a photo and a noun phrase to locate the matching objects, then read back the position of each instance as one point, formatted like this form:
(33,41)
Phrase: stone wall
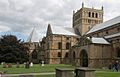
(98,55)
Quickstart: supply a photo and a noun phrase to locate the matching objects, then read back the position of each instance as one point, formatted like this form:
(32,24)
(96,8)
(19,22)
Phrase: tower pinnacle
(82,4)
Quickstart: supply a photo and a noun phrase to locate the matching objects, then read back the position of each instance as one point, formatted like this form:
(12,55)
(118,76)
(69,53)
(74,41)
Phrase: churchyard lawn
(51,68)
(37,68)
(98,74)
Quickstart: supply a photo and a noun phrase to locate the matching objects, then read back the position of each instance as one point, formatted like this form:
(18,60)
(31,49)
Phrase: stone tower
(85,18)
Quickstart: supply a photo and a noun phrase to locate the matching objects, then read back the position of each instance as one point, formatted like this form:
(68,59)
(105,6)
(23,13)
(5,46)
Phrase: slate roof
(105,24)
(113,35)
(62,30)
(36,35)
(97,40)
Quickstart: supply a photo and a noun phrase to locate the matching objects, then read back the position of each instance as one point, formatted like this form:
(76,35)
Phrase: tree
(12,50)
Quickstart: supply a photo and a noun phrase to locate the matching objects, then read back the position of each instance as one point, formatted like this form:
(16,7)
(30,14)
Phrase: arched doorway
(84,58)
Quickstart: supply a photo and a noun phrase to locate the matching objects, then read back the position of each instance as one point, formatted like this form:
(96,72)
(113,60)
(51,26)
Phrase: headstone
(31,64)
(4,65)
(24,64)
(17,65)
(9,65)
(42,63)
(27,65)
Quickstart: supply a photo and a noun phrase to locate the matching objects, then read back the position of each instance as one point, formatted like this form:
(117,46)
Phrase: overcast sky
(23,15)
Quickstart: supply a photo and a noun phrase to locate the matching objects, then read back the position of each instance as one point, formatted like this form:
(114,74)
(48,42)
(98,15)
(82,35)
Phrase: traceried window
(59,45)
(59,54)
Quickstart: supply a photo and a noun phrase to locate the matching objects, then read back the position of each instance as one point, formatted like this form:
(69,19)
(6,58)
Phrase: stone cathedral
(90,43)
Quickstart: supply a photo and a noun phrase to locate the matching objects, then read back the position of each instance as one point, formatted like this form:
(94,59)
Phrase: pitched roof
(113,35)
(105,24)
(34,36)
(62,30)
(97,40)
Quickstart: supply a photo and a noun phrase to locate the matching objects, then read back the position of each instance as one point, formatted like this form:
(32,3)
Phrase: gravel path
(7,75)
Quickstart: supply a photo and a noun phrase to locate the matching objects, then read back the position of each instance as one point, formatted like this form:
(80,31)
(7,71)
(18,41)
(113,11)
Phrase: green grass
(51,68)
(35,69)
(107,74)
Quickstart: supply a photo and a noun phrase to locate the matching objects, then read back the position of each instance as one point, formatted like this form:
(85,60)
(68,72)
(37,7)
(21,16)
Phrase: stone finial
(82,4)
(102,7)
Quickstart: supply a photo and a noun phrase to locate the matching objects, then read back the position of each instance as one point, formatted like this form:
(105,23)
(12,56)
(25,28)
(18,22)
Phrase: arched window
(59,54)
(68,45)
(96,15)
(59,45)
(92,14)
(73,55)
(34,54)
(89,14)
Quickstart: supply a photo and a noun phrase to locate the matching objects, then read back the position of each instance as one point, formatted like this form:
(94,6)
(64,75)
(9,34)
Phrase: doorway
(84,58)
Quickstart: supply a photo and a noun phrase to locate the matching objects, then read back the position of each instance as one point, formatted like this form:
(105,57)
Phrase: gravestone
(27,65)
(42,63)
(9,65)
(31,64)
(17,65)
(4,65)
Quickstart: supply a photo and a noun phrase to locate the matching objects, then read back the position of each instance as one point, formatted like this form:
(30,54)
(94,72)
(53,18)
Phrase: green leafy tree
(12,50)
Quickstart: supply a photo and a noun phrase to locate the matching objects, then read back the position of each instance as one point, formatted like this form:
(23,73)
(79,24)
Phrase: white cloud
(20,5)
(23,15)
